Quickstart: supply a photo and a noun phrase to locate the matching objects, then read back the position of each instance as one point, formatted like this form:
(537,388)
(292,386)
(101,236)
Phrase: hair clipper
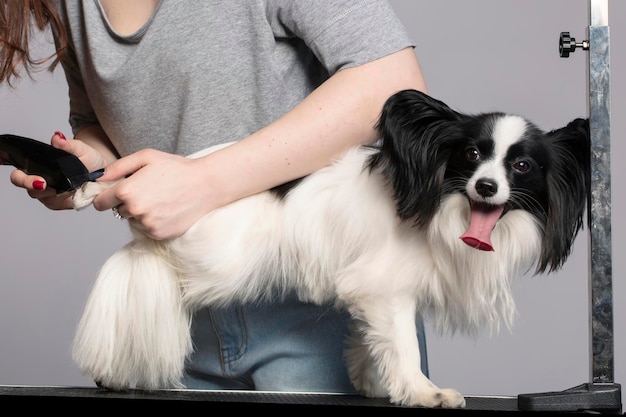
(61,170)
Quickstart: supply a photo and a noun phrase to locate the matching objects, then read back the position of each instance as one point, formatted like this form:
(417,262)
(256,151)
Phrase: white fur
(336,237)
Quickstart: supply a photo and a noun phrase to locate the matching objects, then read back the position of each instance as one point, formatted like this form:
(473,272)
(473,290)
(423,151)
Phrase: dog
(436,218)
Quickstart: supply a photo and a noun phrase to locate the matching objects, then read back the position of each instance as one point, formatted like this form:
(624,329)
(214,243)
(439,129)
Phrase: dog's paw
(84,196)
(434,398)
(448,398)
(119,388)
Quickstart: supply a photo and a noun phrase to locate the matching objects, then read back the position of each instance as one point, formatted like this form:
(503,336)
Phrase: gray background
(477,55)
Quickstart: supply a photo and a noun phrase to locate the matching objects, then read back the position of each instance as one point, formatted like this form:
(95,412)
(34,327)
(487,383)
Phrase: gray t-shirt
(204,72)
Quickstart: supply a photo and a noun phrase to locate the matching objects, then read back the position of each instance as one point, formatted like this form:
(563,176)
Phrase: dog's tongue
(482,222)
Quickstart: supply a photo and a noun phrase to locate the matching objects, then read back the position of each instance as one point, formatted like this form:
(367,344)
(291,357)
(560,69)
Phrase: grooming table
(66,399)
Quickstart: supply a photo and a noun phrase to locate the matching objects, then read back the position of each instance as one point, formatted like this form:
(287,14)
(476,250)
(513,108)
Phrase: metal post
(600,283)
(601,393)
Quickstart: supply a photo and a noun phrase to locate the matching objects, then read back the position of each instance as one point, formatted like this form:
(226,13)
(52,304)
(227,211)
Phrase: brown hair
(18,18)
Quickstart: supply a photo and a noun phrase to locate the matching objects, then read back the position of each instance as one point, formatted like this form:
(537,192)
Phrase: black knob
(568,45)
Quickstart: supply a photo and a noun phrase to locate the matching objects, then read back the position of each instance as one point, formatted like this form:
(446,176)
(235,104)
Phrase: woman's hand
(36,186)
(161,194)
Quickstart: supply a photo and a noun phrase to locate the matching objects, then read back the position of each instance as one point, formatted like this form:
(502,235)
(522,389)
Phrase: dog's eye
(521,166)
(472,154)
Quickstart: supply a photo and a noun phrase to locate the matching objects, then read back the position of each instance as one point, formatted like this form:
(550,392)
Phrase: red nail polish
(39,185)
(61,135)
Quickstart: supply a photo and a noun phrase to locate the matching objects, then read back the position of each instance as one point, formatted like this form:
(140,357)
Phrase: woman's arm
(167,194)
(338,115)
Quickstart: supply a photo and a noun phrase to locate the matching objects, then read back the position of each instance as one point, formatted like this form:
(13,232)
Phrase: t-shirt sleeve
(343,33)
(82,114)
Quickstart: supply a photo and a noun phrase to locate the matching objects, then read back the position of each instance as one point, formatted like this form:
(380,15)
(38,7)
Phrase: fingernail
(61,135)
(96,174)
(39,185)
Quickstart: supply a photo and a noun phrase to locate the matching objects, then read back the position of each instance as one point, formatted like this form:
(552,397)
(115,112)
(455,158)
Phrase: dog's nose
(486,187)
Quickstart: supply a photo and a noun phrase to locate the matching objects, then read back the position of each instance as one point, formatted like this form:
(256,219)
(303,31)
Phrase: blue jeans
(287,346)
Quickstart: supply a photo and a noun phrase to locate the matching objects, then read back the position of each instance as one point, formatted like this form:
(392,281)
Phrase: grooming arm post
(600,284)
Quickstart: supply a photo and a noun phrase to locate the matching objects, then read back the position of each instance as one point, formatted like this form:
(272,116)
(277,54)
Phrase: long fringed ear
(416,138)
(569,188)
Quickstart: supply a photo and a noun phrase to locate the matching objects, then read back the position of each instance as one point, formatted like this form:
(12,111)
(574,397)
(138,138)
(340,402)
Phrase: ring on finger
(117,214)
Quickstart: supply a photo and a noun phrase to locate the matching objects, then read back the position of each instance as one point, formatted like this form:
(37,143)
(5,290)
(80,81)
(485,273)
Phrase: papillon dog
(437,218)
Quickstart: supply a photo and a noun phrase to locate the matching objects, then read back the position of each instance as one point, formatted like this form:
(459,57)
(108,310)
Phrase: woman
(293,83)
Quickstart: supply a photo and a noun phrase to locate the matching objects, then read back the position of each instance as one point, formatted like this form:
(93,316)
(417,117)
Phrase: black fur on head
(422,136)
(569,189)
(418,135)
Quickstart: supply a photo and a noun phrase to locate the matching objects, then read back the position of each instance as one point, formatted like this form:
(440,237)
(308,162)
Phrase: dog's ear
(569,191)
(417,133)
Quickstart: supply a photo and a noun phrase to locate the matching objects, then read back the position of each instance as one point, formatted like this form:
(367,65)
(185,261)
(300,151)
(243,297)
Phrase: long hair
(18,20)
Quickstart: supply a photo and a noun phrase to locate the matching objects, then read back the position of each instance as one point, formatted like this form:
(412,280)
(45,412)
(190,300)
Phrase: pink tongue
(482,222)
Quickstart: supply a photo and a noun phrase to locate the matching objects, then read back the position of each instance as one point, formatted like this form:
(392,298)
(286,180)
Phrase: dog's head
(500,162)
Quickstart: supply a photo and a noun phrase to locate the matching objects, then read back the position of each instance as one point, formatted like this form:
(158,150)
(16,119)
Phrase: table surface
(97,398)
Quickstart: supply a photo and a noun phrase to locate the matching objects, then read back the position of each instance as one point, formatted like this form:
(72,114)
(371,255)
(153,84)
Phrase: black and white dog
(439,219)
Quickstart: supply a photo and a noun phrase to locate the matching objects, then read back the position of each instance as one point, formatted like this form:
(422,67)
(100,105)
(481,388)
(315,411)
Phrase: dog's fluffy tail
(134,330)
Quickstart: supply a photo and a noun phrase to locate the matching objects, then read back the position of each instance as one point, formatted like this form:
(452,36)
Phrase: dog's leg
(84,196)
(134,329)
(384,358)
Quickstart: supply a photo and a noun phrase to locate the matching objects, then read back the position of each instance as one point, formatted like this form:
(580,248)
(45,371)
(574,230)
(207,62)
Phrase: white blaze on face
(507,131)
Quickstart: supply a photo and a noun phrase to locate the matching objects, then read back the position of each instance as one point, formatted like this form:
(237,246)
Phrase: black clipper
(61,170)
